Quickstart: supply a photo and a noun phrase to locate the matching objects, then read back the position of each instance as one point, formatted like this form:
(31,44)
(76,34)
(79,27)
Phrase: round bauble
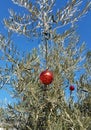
(46,77)
(72,88)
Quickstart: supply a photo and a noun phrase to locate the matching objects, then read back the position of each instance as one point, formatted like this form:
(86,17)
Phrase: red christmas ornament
(72,88)
(46,77)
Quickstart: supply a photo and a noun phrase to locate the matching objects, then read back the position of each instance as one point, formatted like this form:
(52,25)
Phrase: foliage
(42,107)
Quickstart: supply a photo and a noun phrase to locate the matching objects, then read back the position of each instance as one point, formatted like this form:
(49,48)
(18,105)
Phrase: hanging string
(46,53)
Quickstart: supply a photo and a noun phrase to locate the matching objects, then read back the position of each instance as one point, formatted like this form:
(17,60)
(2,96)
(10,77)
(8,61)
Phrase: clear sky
(84,24)
(84,30)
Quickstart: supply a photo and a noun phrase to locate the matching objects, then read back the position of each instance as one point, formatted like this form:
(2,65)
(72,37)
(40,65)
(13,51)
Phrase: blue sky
(84,24)
(84,30)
